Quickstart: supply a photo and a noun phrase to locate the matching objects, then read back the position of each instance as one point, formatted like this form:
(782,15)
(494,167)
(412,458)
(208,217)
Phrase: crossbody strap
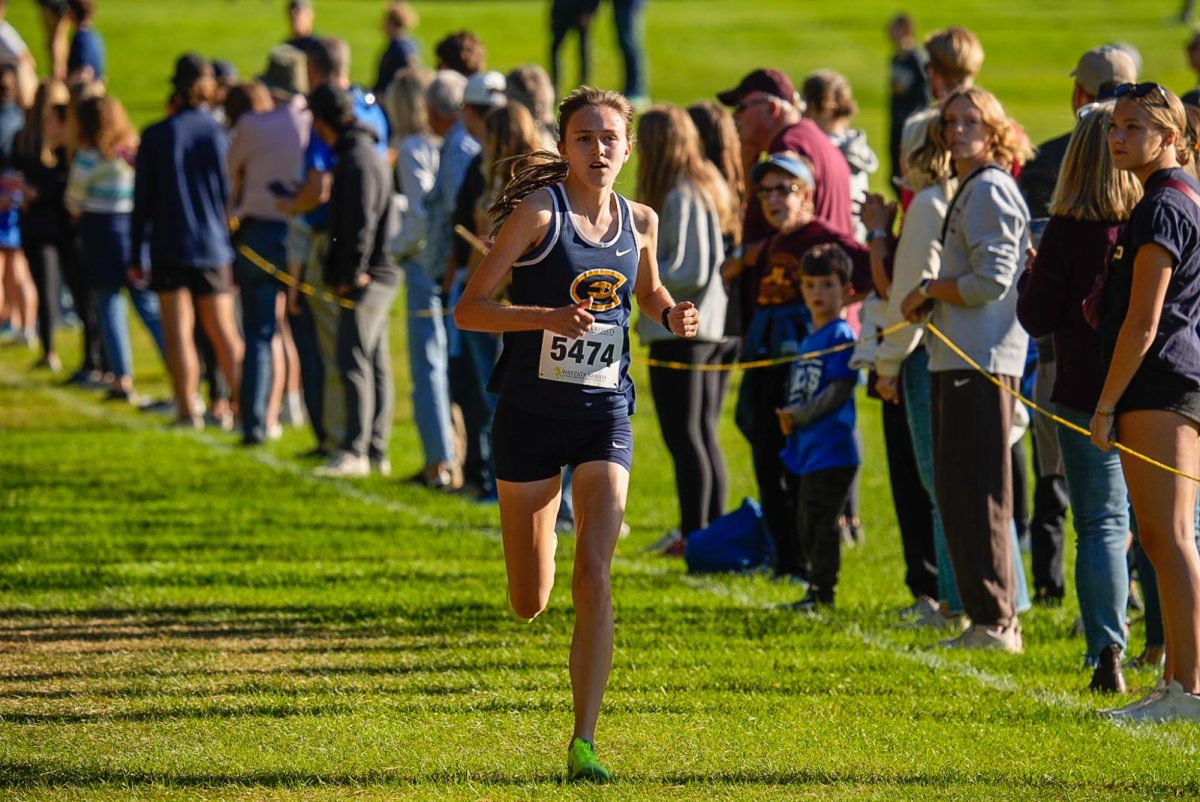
(957,193)
(1180,186)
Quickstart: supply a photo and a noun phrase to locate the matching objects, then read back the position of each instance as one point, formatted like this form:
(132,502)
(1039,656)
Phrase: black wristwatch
(666,318)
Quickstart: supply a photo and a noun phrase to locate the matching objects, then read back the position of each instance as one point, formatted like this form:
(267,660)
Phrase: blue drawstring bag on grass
(737,541)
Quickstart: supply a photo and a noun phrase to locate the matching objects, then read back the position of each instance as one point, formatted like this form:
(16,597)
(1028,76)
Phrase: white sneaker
(345,464)
(291,413)
(275,432)
(665,542)
(1172,703)
(1005,639)
(382,466)
(922,607)
(934,619)
(1122,713)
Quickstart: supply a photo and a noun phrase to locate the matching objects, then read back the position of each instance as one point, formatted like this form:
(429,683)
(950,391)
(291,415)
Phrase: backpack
(737,541)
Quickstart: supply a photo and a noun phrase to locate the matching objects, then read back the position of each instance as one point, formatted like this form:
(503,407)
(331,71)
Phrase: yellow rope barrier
(258,261)
(765,363)
(932,329)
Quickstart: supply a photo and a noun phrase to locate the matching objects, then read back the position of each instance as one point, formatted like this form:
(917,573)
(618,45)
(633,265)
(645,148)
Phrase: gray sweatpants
(365,365)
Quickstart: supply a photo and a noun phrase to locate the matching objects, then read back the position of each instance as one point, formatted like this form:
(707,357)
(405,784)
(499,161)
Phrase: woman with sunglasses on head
(1090,202)
(1150,400)
(973,301)
(577,254)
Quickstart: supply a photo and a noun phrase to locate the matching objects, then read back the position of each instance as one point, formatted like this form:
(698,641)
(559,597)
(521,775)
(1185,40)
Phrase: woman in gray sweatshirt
(693,204)
(973,302)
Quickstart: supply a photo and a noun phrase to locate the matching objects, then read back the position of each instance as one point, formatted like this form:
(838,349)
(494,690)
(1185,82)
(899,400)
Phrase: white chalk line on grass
(936,662)
(736,594)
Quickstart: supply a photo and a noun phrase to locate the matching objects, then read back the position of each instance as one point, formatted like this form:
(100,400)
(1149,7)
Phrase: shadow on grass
(29,774)
(281,672)
(20,625)
(438,701)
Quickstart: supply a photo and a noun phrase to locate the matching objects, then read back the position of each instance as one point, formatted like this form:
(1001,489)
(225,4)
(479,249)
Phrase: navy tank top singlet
(560,377)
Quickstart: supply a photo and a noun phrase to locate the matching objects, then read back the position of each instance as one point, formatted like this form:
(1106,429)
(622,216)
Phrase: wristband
(923,287)
(876,233)
(666,314)
(1105,413)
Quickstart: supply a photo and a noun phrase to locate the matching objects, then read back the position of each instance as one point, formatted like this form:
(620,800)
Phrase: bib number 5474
(593,360)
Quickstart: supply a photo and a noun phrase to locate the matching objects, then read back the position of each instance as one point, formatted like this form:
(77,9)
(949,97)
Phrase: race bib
(593,360)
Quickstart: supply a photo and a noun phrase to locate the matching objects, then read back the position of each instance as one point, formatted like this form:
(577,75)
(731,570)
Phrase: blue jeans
(428,360)
(259,295)
(629,21)
(918,400)
(914,377)
(113,318)
(1100,510)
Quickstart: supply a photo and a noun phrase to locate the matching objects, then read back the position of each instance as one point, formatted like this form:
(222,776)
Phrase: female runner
(578,253)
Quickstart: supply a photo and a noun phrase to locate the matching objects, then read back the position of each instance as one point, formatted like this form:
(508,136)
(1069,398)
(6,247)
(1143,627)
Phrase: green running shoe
(582,765)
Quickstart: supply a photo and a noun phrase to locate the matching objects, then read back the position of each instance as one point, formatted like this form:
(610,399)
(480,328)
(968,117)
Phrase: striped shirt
(99,185)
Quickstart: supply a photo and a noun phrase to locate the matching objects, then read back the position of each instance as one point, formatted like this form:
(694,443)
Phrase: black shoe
(1049,597)
(320,452)
(1108,678)
(811,603)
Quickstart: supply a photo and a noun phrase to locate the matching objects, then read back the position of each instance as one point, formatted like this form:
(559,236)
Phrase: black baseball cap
(189,68)
(331,105)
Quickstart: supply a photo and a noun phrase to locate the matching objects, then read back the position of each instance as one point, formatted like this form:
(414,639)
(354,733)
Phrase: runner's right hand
(573,320)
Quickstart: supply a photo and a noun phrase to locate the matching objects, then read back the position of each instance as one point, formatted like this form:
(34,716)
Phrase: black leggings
(52,261)
(47,277)
(914,508)
(689,408)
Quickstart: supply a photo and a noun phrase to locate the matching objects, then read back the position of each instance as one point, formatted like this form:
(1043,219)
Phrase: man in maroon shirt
(767,111)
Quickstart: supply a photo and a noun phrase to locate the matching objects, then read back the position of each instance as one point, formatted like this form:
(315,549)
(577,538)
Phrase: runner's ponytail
(532,172)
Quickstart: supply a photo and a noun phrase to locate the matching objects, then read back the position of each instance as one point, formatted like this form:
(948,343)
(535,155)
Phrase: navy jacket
(181,193)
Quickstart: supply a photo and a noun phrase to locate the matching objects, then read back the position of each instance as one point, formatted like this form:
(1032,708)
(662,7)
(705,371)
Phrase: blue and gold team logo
(601,286)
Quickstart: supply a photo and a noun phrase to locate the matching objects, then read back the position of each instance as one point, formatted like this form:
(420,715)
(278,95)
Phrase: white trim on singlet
(617,198)
(637,237)
(551,239)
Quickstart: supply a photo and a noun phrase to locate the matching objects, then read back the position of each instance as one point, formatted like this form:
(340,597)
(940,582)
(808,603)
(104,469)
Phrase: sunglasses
(1139,90)
(742,105)
(779,189)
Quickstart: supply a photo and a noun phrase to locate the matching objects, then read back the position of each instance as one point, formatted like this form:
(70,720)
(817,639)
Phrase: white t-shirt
(12,46)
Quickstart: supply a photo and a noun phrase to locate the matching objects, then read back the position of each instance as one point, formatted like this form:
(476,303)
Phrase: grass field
(184,619)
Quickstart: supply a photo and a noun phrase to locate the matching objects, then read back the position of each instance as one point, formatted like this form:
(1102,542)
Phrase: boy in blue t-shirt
(818,420)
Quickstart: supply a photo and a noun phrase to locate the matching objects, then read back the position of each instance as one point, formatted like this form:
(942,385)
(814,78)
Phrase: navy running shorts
(528,447)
